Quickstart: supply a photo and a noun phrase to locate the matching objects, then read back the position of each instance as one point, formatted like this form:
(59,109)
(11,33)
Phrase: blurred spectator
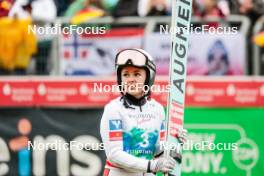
(126,8)
(26,49)
(210,8)
(44,10)
(16,44)
(154,7)
(203,8)
(224,7)
(207,8)
(75,7)
(10,39)
(83,10)
(251,8)
(142,8)
(245,6)
(109,5)
(5,6)
(20,10)
(62,6)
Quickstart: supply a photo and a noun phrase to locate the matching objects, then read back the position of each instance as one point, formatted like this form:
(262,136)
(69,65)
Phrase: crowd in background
(16,48)
(49,9)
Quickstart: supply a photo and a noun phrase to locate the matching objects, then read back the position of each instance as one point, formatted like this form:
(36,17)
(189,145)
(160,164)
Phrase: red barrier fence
(96,92)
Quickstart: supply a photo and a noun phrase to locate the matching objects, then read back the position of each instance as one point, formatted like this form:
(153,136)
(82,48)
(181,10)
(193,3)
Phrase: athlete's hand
(182,135)
(162,164)
(176,153)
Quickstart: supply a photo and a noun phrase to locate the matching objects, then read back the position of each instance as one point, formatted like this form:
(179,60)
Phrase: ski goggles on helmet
(135,58)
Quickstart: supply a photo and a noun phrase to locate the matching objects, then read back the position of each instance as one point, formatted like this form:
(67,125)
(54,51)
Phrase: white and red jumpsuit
(131,133)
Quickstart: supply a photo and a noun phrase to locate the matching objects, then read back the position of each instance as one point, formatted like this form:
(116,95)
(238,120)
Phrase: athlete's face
(133,80)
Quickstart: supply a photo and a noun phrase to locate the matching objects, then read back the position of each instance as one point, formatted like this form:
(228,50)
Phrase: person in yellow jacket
(10,39)
(17,45)
(26,49)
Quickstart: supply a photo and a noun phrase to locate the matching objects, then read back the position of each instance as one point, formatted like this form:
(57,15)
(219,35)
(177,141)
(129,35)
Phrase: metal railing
(258,55)
(150,22)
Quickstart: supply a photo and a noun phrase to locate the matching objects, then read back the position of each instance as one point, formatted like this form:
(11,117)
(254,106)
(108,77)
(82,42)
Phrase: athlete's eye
(125,74)
(137,74)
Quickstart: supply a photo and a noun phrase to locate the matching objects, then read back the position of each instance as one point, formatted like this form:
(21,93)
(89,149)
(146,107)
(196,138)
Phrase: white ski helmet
(138,58)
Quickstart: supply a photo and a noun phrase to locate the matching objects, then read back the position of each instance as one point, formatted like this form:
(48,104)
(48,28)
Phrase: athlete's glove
(162,164)
(176,153)
(182,135)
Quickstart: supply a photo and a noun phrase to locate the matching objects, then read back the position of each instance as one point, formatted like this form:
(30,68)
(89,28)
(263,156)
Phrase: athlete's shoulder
(114,104)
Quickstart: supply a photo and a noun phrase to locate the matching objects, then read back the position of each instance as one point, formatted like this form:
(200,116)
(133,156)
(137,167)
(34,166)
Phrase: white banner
(207,55)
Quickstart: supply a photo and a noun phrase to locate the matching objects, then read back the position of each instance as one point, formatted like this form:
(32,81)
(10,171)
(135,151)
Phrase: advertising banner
(207,54)
(96,92)
(233,144)
(50,142)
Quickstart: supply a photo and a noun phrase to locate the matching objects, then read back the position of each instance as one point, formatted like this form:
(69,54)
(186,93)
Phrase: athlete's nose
(131,79)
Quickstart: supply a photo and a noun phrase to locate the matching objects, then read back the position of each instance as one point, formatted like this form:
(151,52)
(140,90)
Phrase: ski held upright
(181,20)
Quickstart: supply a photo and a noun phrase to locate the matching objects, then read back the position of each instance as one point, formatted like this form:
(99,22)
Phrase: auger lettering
(179,48)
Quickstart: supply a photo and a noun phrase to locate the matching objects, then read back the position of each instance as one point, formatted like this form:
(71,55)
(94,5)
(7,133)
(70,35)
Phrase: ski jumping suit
(131,135)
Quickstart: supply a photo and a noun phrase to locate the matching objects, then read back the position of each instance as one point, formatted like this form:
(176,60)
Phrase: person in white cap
(132,126)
